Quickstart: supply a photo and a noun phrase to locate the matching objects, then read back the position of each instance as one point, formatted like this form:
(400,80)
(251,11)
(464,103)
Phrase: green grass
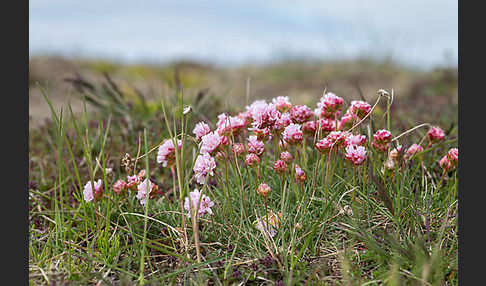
(344,225)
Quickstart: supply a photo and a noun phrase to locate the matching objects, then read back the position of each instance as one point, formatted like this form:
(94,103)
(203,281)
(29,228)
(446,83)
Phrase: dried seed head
(346,210)
(128,163)
(384,93)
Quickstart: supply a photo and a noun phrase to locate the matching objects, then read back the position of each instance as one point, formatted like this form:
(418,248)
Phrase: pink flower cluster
(167,154)
(329,105)
(196,202)
(203,167)
(435,134)
(90,194)
(450,160)
(292,134)
(381,140)
(146,189)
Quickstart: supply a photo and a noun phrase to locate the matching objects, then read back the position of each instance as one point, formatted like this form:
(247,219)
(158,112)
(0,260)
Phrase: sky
(417,33)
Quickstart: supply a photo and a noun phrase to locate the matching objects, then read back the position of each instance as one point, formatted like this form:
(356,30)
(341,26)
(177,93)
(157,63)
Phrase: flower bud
(263,190)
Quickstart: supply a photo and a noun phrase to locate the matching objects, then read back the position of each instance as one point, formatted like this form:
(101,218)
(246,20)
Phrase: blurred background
(216,47)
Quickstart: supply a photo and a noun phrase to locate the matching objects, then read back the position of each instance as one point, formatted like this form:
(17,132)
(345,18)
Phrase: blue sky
(421,34)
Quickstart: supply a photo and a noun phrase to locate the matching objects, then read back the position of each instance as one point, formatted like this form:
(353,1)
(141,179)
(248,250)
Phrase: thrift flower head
(166,154)
(133,181)
(300,114)
(264,115)
(355,154)
(200,130)
(120,187)
(262,134)
(358,140)
(395,153)
(210,143)
(204,206)
(412,150)
(255,146)
(324,145)
(329,105)
(381,140)
(203,167)
(252,160)
(238,149)
(286,157)
(444,163)
(282,121)
(453,156)
(382,136)
(337,137)
(280,167)
(435,134)
(90,194)
(228,125)
(326,125)
(143,191)
(292,134)
(360,108)
(348,120)
(282,103)
(309,127)
(300,175)
(263,190)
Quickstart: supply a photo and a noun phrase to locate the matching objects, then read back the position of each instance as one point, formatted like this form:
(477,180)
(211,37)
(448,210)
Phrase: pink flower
(264,190)
(282,121)
(435,134)
(286,157)
(143,191)
(238,149)
(337,137)
(355,154)
(395,152)
(204,206)
(262,134)
(359,140)
(210,143)
(255,146)
(381,140)
(166,154)
(324,145)
(133,181)
(453,156)
(264,115)
(292,134)
(444,163)
(282,103)
(120,187)
(329,105)
(380,147)
(228,125)
(255,103)
(252,160)
(300,114)
(88,193)
(348,120)
(203,167)
(309,127)
(280,167)
(360,108)
(382,136)
(326,125)
(412,150)
(300,175)
(200,130)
